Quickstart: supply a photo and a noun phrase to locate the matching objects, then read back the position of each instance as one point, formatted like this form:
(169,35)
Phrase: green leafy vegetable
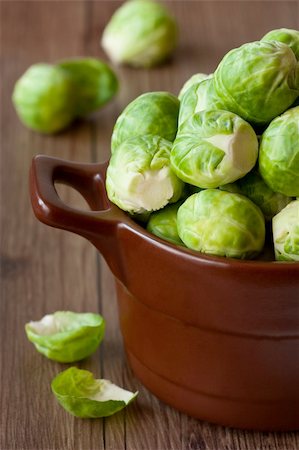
(66,336)
(79,393)
(141,33)
(221,223)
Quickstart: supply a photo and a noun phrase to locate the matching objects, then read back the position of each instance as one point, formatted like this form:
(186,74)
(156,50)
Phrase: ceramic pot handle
(99,225)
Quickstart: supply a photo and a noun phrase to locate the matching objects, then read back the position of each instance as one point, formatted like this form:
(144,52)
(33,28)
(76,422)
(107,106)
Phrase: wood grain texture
(45,269)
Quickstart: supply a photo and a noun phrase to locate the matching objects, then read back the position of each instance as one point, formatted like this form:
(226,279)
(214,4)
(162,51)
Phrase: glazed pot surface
(213,337)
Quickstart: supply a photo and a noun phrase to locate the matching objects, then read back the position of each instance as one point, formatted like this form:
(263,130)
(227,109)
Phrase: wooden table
(44,269)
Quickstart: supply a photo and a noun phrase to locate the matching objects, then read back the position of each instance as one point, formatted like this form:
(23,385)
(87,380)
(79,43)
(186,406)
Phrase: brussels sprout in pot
(214,337)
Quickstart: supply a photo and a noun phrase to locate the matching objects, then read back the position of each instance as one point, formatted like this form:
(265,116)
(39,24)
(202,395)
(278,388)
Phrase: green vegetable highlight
(79,393)
(286,233)
(140,33)
(221,223)
(66,336)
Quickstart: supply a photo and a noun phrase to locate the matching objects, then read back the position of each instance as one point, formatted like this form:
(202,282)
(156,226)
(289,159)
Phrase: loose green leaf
(66,336)
(79,393)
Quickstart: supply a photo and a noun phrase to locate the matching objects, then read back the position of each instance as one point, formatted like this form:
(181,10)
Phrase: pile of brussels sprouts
(210,170)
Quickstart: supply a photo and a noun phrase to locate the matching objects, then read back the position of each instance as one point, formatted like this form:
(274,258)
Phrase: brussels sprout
(285,35)
(279,154)
(221,223)
(43,98)
(139,175)
(213,148)
(95,83)
(258,81)
(195,79)
(141,33)
(66,336)
(198,97)
(286,233)
(254,187)
(151,113)
(79,393)
(163,224)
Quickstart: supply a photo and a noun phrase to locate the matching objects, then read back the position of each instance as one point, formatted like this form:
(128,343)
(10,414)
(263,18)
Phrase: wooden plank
(43,269)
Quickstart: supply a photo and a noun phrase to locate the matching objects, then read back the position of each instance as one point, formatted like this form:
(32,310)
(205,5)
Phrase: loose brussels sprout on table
(139,176)
(285,35)
(258,81)
(214,148)
(141,33)
(151,113)
(79,393)
(279,154)
(96,83)
(66,336)
(221,223)
(286,233)
(48,97)
(43,98)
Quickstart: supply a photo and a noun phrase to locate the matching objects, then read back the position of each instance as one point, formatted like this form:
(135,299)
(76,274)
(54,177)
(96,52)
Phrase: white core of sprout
(241,150)
(109,391)
(46,326)
(147,191)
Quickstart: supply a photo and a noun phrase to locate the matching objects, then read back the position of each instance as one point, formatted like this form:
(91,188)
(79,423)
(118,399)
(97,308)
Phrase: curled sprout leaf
(79,393)
(66,336)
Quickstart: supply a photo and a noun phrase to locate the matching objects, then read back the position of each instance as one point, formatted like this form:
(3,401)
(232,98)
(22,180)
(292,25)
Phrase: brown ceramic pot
(213,337)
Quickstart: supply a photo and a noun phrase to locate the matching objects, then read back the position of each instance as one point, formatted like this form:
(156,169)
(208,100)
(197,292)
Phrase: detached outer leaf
(74,388)
(73,343)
